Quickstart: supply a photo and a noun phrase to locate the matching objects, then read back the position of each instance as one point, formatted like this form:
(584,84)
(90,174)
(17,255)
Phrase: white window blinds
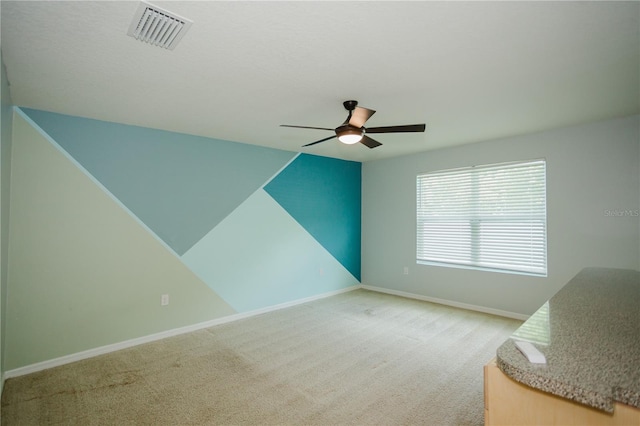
(486,217)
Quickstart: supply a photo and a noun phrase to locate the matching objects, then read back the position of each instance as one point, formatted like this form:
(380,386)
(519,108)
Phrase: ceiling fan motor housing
(350,105)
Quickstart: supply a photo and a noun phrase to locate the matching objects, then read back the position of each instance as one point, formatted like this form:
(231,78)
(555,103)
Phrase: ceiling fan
(353,131)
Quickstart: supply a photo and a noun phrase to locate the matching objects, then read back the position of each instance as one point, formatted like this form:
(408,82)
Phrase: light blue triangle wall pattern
(180,186)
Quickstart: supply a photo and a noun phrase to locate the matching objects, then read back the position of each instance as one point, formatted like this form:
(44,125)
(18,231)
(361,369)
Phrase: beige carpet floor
(358,358)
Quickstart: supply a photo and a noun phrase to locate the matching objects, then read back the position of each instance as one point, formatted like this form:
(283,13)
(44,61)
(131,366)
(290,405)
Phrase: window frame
(466,245)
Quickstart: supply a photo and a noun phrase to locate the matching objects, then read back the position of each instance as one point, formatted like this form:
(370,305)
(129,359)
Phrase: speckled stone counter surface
(592,343)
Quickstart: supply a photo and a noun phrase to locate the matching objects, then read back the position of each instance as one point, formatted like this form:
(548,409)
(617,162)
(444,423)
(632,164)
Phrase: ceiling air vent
(158,27)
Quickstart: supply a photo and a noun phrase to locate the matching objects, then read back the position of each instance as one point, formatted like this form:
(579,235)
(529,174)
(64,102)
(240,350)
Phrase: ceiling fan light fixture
(350,136)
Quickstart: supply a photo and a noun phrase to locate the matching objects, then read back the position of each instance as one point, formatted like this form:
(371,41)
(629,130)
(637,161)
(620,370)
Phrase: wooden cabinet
(508,402)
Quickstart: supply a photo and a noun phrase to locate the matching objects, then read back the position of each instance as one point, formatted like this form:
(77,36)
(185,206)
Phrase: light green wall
(5,178)
(591,168)
(83,273)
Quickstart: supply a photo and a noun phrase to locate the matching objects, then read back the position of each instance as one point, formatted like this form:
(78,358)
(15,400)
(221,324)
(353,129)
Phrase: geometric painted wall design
(260,256)
(83,272)
(324,196)
(180,186)
(95,201)
(258,226)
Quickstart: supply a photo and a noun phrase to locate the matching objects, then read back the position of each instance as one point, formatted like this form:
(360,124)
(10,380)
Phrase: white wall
(5,177)
(592,175)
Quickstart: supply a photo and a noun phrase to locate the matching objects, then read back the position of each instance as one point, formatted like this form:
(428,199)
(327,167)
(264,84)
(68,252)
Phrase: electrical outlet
(164,300)
(406,270)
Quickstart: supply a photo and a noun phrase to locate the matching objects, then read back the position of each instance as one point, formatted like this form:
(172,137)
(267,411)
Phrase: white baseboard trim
(452,303)
(67,359)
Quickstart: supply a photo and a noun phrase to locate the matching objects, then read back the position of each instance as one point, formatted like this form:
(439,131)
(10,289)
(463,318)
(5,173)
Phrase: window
(536,329)
(484,217)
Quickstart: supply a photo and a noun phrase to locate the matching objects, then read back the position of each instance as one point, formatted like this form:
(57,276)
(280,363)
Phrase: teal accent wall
(181,186)
(323,195)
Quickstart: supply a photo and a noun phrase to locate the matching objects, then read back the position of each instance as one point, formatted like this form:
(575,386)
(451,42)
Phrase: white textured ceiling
(471,71)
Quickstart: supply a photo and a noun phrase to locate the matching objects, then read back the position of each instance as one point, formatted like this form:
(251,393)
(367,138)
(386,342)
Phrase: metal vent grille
(158,27)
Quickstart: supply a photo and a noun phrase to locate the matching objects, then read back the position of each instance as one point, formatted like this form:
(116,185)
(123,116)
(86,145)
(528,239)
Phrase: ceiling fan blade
(371,143)
(359,116)
(321,140)
(306,127)
(397,129)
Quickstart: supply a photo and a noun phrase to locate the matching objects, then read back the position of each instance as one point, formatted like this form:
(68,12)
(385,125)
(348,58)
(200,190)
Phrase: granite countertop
(589,333)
